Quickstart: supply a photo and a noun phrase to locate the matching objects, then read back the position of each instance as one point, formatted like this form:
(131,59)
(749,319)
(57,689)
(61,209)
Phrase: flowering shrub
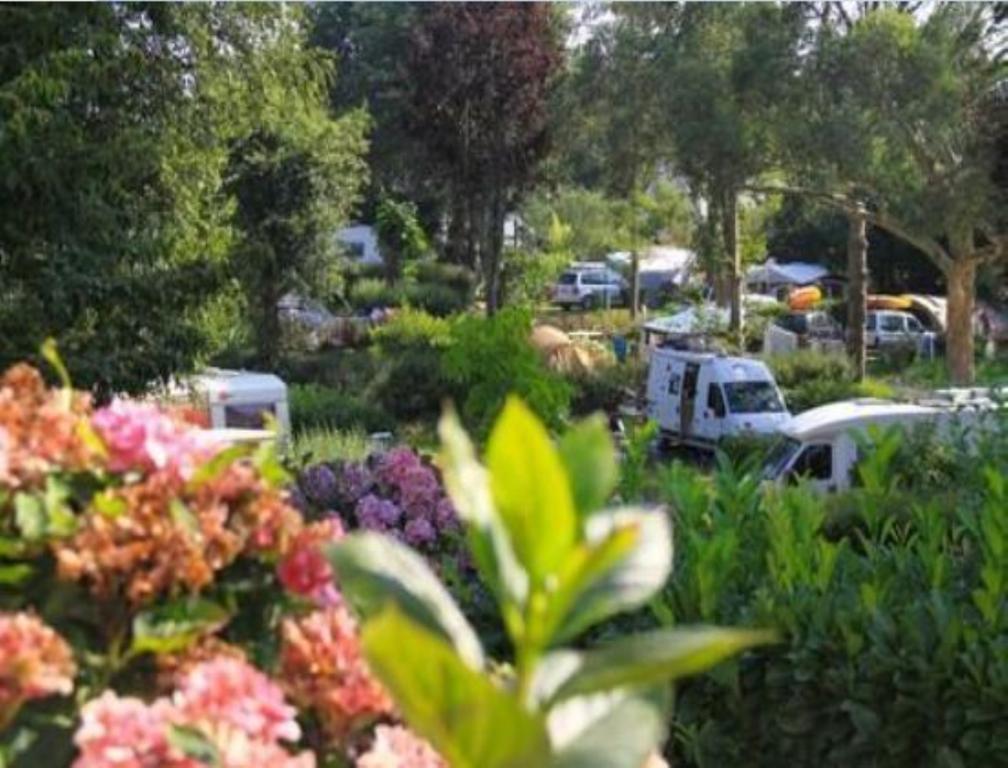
(169,582)
(395,492)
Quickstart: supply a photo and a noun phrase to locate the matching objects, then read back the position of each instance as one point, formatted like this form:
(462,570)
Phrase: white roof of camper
(792,273)
(836,418)
(221,384)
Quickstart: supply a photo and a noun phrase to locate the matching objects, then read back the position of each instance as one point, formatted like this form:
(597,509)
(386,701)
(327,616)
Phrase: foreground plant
(557,563)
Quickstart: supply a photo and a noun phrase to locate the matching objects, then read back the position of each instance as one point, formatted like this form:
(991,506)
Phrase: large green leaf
(655,657)
(174,626)
(634,579)
(609,730)
(468,485)
(468,719)
(375,570)
(588,453)
(532,491)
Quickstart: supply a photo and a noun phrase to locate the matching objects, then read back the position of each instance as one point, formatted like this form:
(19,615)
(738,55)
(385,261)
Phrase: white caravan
(820,445)
(698,398)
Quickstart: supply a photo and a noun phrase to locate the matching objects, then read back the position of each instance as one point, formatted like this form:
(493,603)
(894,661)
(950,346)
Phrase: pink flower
(140,436)
(127,733)
(34,662)
(397,747)
(230,691)
(304,570)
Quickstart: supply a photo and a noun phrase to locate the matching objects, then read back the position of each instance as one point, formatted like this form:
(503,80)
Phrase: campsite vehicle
(800,330)
(588,285)
(821,444)
(238,400)
(892,328)
(699,397)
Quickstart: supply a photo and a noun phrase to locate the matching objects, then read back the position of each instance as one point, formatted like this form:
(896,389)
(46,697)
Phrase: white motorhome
(699,397)
(821,444)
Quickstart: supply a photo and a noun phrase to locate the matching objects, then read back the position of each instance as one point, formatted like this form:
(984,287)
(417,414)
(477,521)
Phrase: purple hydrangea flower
(419,532)
(445,515)
(376,514)
(318,482)
(354,482)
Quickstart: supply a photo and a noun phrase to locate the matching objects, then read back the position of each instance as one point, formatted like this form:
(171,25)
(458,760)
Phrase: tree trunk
(959,336)
(456,250)
(729,226)
(634,285)
(857,277)
(494,248)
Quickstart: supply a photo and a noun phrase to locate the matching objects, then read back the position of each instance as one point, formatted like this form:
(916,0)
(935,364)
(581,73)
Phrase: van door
(688,399)
(815,465)
(712,419)
(664,386)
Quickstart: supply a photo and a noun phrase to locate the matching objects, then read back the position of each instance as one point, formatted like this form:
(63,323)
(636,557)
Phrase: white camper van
(820,445)
(697,398)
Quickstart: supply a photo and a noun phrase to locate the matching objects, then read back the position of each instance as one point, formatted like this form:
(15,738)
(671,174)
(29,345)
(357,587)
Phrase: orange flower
(34,662)
(322,669)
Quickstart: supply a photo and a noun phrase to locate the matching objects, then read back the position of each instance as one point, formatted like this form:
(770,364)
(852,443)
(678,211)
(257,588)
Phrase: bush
(460,279)
(371,293)
(895,626)
(435,298)
(317,444)
(809,379)
(316,405)
(605,388)
(411,328)
(491,357)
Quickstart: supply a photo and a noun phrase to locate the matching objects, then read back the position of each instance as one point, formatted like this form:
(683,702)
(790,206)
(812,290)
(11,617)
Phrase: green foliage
(402,238)
(491,357)
(439,300)
(455,276)
(606,387)
(888,611)
(556,564)
(325,444)
(374,293)
(317,405)
(809,379)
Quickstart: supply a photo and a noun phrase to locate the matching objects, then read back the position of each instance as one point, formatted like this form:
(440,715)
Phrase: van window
(568,278)
(673,384)
(871,322)
(715,400)
(815,463)
(593,278)
(752,397)
(892,323)
(914,325)
(779,457)
(252,416)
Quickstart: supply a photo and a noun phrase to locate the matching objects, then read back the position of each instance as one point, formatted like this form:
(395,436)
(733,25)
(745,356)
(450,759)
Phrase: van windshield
(779,457)
(753,397)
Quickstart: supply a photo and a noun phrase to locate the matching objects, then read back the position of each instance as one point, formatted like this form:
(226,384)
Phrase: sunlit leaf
(590,457)
(174,626)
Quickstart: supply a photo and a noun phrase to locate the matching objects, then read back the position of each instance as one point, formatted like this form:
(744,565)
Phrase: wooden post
(634,285)
(857,298)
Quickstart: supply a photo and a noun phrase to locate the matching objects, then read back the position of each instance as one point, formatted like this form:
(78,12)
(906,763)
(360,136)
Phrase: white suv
(589,287)
(887,328)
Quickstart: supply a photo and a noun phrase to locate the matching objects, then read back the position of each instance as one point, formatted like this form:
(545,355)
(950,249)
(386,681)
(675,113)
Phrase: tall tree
(726,68)
(898,112)
(482,73)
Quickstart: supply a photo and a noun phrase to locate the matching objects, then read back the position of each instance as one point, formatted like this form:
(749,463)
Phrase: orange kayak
(879,301)
(804,298)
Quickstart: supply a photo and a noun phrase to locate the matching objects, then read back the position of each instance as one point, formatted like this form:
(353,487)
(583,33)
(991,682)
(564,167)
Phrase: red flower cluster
(40,430)
(305,571)
(322,669)
(35,662)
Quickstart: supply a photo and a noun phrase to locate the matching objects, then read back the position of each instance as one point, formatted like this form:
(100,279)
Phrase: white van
(820,445)
(697,398)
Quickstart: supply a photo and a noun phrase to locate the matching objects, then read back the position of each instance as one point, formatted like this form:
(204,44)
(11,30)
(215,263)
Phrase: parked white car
(892,328)
(799,330)
(589,287)
(699,398)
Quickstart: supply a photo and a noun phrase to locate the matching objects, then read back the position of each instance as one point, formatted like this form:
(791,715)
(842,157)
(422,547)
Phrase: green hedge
(894,649)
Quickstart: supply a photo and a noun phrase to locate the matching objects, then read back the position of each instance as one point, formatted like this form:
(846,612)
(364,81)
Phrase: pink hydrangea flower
(127,733)
(230,691)
(34,662)
(140,436)
(397,747)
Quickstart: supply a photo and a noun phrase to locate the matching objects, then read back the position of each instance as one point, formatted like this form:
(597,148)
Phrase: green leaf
(376,570)
(174,626)
(469,720)
(108,504)
(218,463)
(613,730)
(656,657)
(181,515)
(532,491)
(14,574)
(588,453)
(60,520)
(632,581)
(50,352)
(30,516)
(194,744)
(469,487)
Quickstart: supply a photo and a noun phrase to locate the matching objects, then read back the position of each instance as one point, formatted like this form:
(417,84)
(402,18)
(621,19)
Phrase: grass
(327,444)
(933,374)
